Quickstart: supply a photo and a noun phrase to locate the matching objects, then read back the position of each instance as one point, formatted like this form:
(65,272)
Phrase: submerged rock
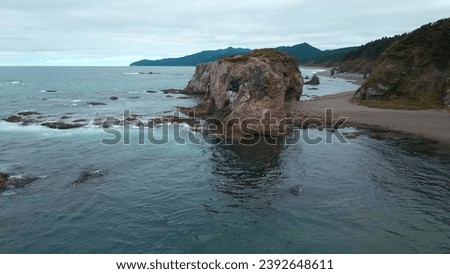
(30,121)
(6,180)
(172,91)
(107,122)
(194,123)
(27,113)
(133,117)
(251,86)
(87,175)
(96,104)
(62,125)
(14,119)
(19,181)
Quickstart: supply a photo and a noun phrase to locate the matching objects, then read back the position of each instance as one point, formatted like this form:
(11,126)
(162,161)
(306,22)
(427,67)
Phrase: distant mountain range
(193,59)
(304,52)
(407,70)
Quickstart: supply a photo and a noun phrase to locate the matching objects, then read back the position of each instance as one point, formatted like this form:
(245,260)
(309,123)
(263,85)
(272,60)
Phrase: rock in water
(87,175)
(14,119)
(96,103)
(62,125)
(252,86)
(314,81)
(3,179)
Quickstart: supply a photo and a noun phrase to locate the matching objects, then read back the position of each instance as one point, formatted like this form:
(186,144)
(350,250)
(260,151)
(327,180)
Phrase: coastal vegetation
(406,71)
(270,54)
(413,72)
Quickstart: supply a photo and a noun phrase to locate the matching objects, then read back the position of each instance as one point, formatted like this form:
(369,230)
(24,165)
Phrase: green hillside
(413,71)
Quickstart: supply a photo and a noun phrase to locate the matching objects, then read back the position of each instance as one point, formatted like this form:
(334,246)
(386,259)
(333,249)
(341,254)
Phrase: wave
(13,82)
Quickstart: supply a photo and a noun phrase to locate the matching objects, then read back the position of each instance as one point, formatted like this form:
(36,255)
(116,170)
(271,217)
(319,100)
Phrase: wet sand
(431,124)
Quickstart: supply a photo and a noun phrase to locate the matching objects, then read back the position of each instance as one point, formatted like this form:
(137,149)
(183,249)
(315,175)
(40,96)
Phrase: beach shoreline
(431,124)
(355,78)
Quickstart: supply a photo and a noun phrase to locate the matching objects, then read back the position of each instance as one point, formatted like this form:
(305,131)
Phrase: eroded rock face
(252,86)
(314,81)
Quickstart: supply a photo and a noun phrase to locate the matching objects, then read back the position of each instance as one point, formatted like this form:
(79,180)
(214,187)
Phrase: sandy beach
(431,124)
(357,78)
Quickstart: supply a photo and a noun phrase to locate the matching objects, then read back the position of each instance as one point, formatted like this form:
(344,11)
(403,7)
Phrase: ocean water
(363,196)
(328,85)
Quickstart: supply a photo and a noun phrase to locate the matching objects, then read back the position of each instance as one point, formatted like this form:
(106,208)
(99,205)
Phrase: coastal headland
(431,124)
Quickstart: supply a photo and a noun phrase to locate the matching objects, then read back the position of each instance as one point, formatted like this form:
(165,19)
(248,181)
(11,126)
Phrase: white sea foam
(8,193)
(13,82)
(43,130)
(19,176)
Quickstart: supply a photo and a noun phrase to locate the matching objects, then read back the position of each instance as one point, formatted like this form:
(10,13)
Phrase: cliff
(252,86)
(413,71)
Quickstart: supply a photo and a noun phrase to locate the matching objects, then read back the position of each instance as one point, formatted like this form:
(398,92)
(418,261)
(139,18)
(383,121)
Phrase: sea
(138,195)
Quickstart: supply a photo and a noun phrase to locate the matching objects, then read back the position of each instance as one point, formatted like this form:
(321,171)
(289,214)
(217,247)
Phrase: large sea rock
(252,86)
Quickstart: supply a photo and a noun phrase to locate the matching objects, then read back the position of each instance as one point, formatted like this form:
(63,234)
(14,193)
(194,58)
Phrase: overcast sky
(118,32)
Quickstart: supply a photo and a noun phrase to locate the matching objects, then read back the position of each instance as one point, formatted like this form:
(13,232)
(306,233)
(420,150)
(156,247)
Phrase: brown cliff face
(252,86)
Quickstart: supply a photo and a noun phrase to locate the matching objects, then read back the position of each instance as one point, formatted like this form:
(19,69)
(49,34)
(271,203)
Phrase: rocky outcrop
(62,125)
(252,86)
(415,69)
(88,175)
(314,81)
(14,119)
(8,181)
(172,91)
(28,113)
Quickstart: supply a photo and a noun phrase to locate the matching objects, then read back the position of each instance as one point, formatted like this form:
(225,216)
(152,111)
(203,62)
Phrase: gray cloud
(110,32)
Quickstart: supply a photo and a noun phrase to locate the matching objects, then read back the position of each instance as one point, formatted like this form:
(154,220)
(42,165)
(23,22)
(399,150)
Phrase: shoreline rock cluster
(64,122)
(246,87)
